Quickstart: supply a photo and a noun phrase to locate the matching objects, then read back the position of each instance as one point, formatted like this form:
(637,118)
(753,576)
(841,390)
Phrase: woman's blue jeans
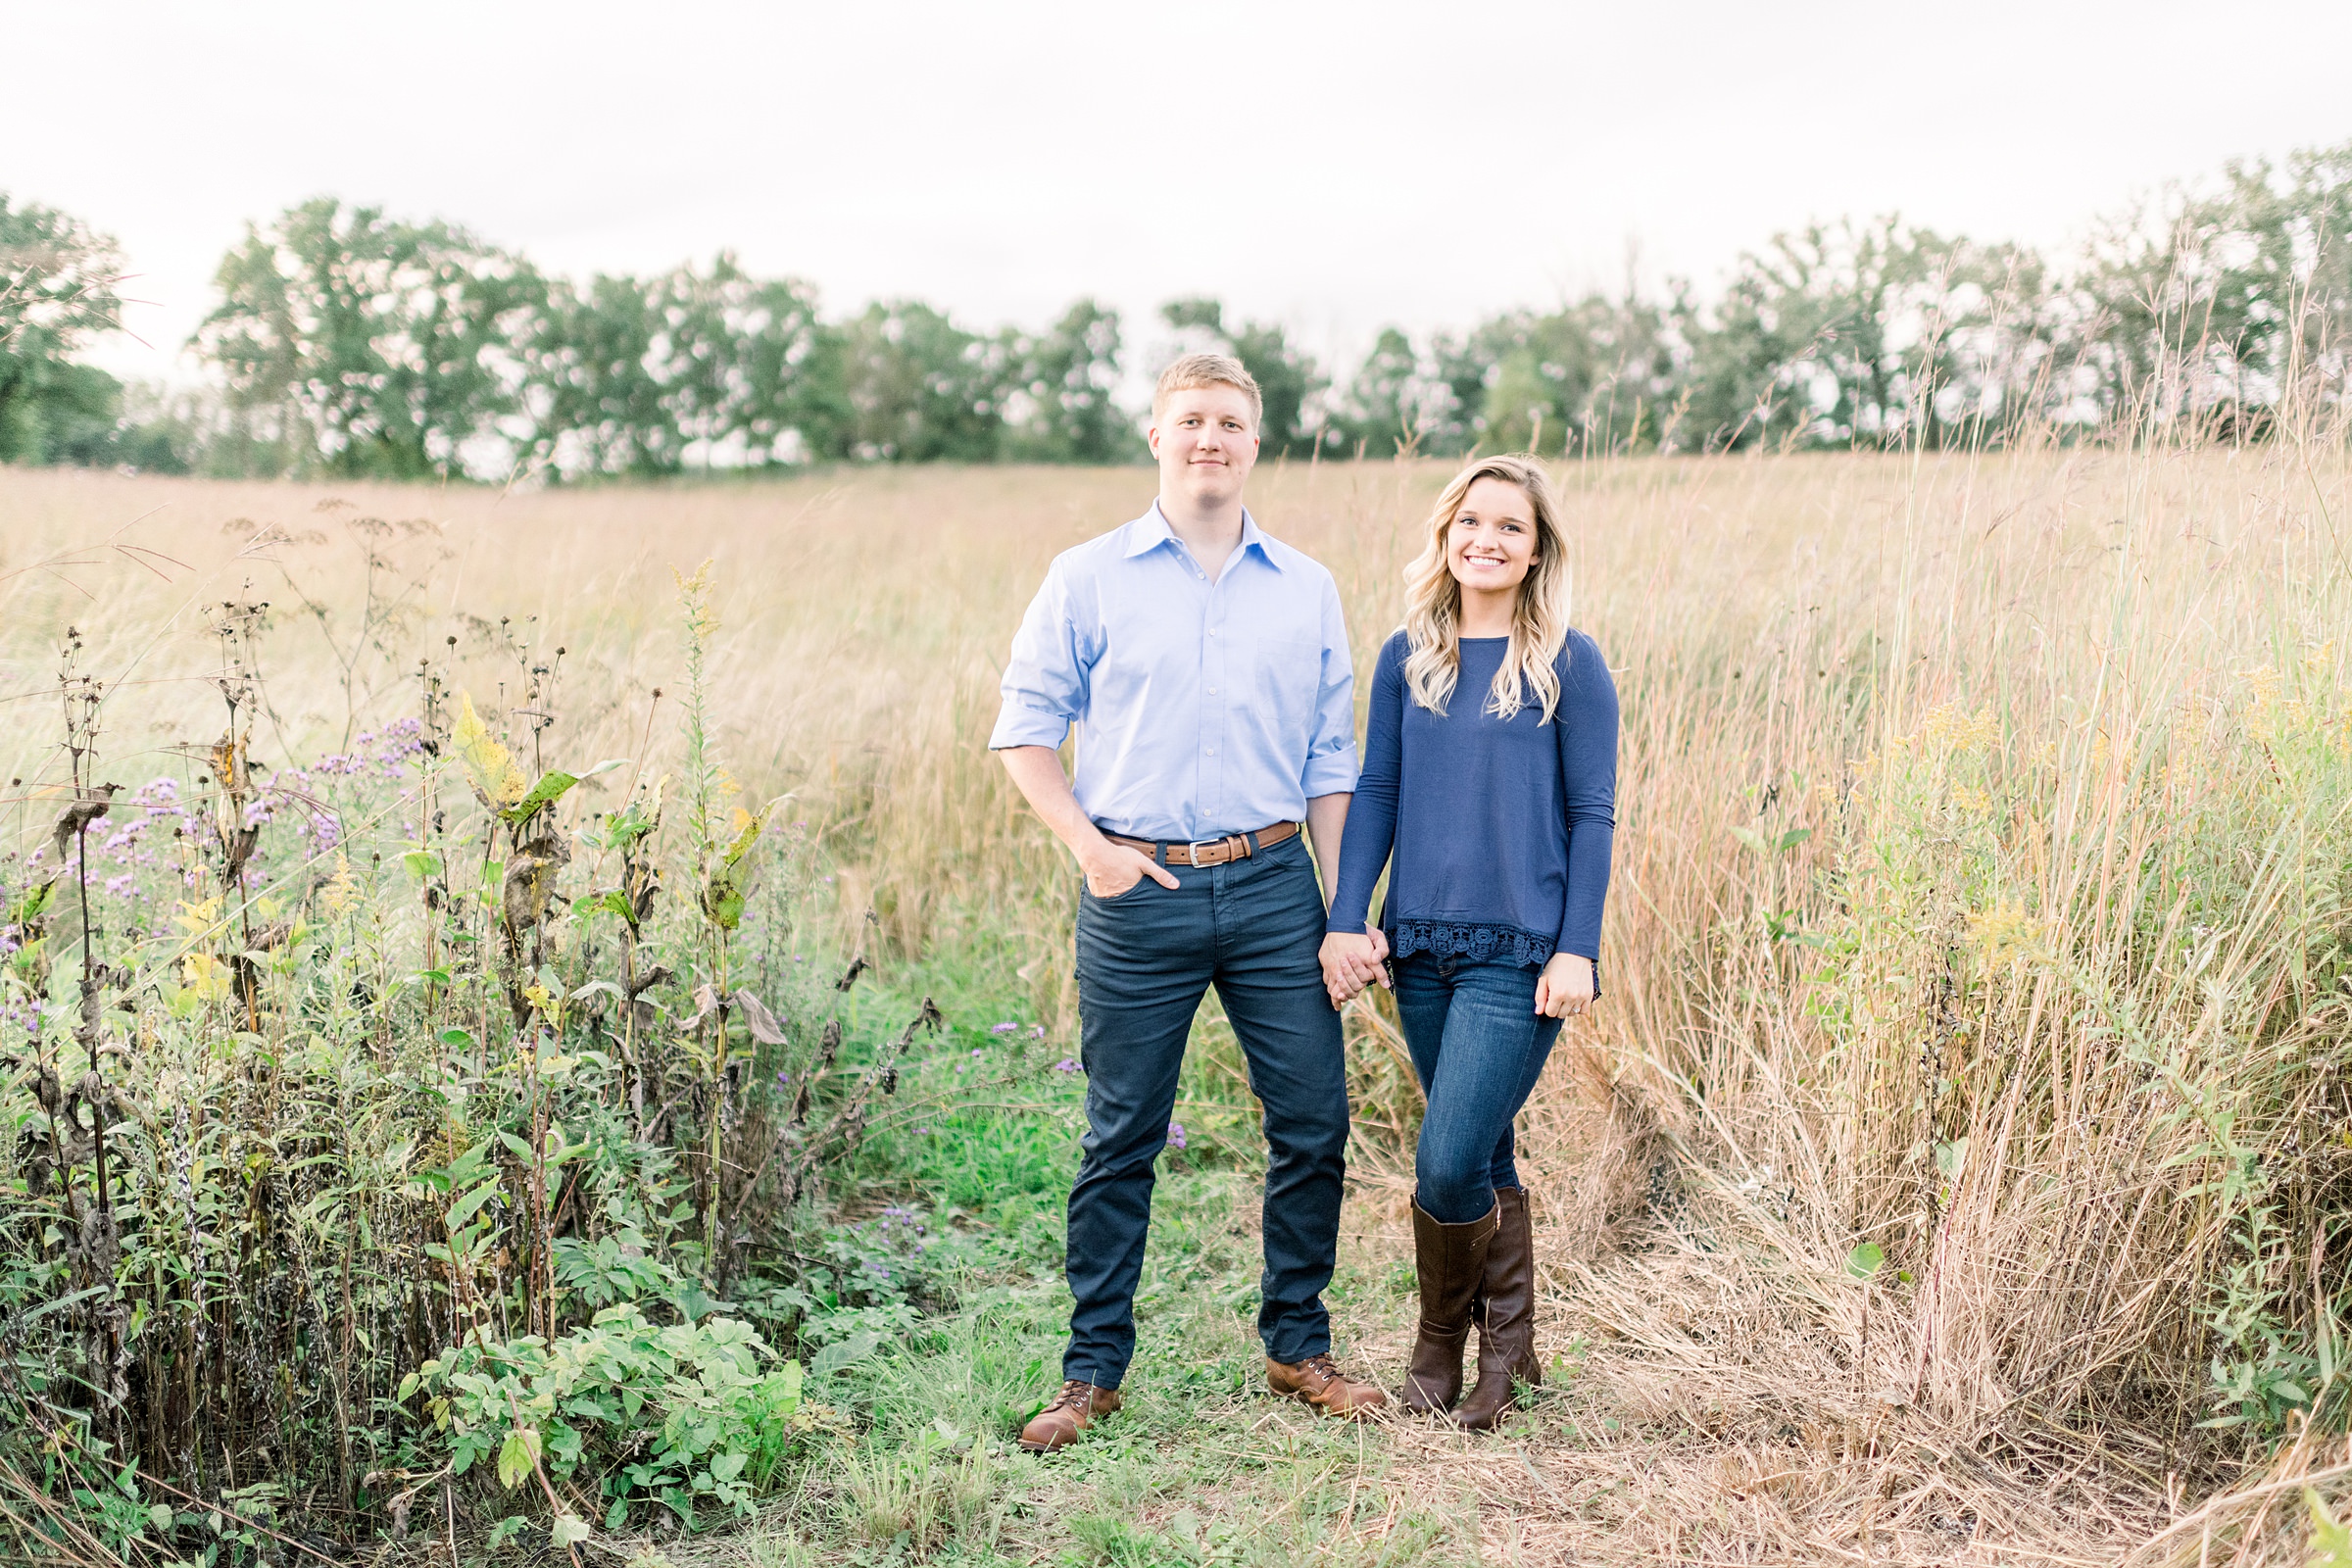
(1479,1048)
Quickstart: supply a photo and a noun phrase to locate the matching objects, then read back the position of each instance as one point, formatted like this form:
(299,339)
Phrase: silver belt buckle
(1195,847)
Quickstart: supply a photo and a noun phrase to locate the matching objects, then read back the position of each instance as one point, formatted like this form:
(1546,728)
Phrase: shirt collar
(1151,530)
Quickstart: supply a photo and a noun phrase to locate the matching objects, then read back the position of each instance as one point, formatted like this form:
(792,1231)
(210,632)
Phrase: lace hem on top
(1472,940)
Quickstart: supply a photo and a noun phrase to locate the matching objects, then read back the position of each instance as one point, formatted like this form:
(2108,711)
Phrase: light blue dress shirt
(1206,709)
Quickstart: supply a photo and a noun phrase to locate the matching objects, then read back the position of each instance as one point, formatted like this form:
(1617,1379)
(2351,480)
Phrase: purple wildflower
(1067,1064)
(1175,1135)
(1003,1028)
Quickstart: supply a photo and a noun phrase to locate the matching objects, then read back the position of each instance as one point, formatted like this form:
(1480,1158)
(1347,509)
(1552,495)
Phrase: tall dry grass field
(1965,1130)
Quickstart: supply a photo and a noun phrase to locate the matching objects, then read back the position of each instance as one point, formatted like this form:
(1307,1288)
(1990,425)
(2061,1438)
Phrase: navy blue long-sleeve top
(1500,829)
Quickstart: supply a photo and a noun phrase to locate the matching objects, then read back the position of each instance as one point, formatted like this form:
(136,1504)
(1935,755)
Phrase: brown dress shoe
(1451,1261)
(1506,1317)
(1067,1414)
(1319,1381)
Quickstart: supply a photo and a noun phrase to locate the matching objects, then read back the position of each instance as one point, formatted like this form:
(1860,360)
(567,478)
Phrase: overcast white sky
(1334,166)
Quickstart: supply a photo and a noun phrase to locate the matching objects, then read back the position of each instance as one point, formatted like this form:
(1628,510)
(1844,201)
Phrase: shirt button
(1212,631)
(1213,691)
(1213,751)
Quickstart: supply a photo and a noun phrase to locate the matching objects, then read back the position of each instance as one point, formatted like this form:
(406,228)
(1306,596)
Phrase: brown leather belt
(1210,851)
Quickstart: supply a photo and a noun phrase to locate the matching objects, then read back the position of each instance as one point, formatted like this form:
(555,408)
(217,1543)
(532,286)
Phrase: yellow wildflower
(1952,728)
(199,917)
(342,890)
(205,975)
(2006,935)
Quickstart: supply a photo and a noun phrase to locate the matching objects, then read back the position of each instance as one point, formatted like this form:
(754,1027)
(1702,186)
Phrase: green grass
(1201,1466)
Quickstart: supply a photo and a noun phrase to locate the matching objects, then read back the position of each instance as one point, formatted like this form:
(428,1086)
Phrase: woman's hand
(1350,962)
(1565,987)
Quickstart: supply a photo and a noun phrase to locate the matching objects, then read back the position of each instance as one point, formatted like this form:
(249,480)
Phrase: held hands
(1113,868)
(1562,991)
(1352,960)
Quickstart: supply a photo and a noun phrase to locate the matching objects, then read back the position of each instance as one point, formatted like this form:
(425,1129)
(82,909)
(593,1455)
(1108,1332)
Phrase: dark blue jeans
(1252,929)
(1479,1049)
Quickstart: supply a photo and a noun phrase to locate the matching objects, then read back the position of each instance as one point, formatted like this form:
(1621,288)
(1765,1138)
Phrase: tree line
(353,343)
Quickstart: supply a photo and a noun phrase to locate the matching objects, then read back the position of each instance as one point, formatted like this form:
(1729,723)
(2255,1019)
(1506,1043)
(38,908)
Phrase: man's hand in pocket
(1115,868)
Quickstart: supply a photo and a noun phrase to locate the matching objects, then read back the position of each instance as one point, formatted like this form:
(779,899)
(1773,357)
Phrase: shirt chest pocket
(1286,678)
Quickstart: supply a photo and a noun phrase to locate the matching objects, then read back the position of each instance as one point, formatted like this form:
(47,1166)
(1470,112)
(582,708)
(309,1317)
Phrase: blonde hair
(1432,609)
(1208,370)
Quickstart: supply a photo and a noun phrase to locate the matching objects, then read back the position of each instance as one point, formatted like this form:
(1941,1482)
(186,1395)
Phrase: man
(1208,665)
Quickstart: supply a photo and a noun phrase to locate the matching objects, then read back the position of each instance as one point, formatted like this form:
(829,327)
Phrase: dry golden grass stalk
(1978,926)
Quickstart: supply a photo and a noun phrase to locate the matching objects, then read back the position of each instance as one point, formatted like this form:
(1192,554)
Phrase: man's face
(1205,442)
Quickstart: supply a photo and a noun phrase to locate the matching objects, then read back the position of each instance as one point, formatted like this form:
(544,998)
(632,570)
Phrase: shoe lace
(1322,1364)
(1072,1393)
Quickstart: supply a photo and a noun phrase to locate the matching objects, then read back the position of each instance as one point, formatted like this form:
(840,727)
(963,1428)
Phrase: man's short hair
(1208,369)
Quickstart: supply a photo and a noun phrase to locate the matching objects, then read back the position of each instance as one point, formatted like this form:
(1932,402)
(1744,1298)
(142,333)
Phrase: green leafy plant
(677,1416)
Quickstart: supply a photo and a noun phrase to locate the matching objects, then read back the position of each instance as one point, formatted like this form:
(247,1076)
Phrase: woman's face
(1491,541)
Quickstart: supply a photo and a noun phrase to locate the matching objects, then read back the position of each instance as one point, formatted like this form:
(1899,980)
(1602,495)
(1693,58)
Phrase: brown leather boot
(1451,1261)
(1506,1316)
(1319,1381)
(1067,1414)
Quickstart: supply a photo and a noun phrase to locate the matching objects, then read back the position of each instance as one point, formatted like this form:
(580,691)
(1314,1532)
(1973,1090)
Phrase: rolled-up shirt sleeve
(1331,758)
(1045,684)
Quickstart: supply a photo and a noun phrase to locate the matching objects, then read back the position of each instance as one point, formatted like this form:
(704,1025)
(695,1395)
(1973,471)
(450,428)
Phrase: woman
(1490,773)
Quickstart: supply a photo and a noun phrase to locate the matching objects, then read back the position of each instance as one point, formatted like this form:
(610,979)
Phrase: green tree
(1455,417)
(1288,380)
(165,431)
(1865,335)
(375,347)
(913,387)
(1384,409)
(786,412)
(2214,304)
(1584,377)
(599,399)
(1062,382)
(695,366)
(2299,277)
(57,291)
